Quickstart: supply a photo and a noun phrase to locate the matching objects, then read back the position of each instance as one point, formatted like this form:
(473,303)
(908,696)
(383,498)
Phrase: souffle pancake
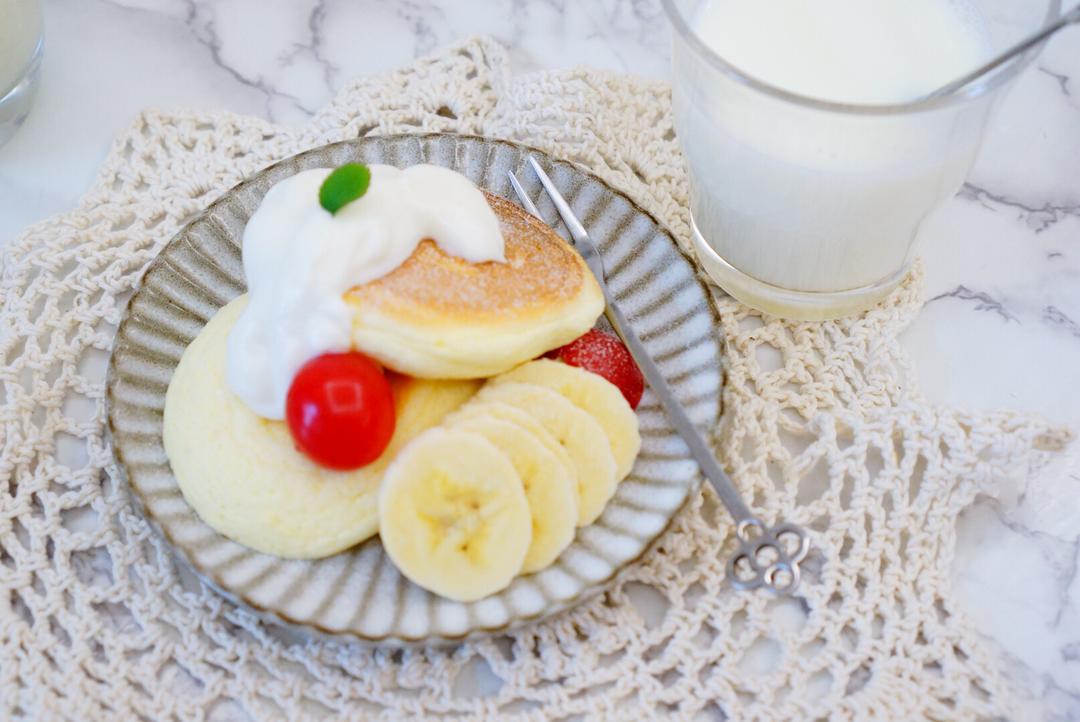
(439,316)
(243,474)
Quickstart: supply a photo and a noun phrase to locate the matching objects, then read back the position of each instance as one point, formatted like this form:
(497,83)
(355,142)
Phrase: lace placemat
(823,427)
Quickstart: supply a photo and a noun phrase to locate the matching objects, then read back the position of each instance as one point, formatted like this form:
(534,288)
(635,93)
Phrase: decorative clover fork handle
(767,556)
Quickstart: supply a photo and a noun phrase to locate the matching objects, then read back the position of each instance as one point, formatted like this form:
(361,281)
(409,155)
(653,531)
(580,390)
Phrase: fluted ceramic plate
(359,593)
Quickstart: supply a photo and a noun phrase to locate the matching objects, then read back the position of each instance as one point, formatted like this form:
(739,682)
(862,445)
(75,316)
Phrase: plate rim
(283,620)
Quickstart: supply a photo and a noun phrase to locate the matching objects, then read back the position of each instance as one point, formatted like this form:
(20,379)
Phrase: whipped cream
(299,261)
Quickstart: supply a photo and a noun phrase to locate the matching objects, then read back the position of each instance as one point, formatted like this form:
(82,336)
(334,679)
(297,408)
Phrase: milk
(20,32)
(851,51)
(818,200)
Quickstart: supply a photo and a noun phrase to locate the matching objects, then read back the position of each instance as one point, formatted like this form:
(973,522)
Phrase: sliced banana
(453,515)
(580,434)
(549,486)
(506,412)
(594,394)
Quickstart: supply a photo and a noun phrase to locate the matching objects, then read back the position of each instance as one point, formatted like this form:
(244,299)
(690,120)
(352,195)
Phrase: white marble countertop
(1001,328)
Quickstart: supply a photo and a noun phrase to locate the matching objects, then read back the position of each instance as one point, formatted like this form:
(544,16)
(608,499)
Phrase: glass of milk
(21,42)
(812,162)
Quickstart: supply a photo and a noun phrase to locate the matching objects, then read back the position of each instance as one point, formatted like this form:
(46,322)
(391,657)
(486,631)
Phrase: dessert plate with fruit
(366,394)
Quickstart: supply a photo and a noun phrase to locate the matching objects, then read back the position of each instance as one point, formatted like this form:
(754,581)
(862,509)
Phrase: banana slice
(580,434)
(506,412)
(549,486)
(594,394)
(453,515)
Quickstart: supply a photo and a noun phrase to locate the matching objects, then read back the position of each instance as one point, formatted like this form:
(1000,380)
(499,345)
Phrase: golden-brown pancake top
(542,273)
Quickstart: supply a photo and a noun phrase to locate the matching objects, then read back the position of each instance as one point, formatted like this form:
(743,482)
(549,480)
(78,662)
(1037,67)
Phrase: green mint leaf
(344,186)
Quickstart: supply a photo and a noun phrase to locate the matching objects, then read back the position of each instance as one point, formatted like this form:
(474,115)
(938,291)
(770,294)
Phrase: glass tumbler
(810,209)
(21,43)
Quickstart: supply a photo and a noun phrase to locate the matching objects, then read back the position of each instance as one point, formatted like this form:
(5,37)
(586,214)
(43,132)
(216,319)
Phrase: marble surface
(1001,327)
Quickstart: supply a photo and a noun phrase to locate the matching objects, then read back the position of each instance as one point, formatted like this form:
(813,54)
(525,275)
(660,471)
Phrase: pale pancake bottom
(243,475)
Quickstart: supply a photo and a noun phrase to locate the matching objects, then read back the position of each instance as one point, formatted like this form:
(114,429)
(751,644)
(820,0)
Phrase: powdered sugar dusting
(541,270)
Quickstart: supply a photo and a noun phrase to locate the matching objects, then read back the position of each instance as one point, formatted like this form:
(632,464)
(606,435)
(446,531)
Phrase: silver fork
(766,556)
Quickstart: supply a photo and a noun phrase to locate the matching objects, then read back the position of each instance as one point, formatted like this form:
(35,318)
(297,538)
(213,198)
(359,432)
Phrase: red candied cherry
(605,355)
(340,410)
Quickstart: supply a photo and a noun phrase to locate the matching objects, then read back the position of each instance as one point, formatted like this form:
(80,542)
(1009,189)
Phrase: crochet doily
(822,427)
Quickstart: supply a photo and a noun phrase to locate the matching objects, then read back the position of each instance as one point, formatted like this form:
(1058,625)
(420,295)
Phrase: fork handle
(699,449)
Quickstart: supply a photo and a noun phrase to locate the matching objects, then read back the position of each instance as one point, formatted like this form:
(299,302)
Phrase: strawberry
(604,355)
